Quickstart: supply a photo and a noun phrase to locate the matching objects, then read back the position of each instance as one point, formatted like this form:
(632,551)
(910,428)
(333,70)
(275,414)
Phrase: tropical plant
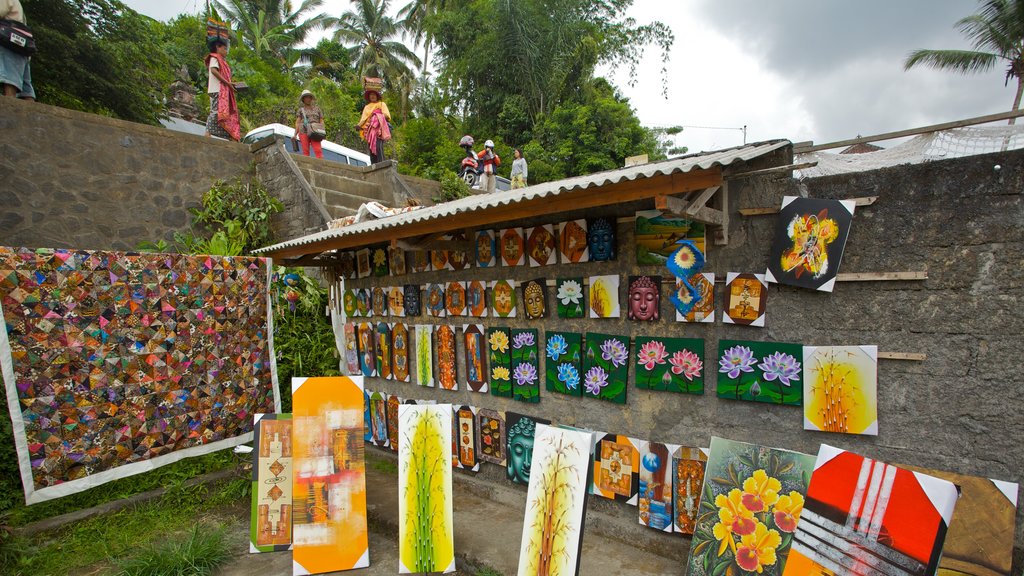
(272,27)
(414,17)
(97,56)
(997,34)
(374,34)
(241,210)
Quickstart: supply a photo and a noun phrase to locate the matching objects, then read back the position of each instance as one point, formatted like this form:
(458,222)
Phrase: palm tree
(373,33)
(414,17)
(997,35)
(272,27)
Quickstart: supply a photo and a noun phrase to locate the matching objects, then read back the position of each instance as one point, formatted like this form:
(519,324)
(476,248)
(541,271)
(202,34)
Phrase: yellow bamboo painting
(425,529)
(841,389)
(555,502)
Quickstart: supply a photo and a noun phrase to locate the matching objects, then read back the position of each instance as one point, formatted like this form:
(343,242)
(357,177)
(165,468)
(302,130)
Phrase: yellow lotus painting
(841,389)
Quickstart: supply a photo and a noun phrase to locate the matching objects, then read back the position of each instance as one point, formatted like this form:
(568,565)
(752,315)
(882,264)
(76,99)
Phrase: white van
(333,152)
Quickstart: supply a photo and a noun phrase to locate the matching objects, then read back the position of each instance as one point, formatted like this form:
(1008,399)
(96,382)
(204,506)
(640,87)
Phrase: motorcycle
(470,169)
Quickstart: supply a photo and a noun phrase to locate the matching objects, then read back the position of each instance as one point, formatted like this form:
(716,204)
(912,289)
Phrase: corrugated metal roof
(484,202)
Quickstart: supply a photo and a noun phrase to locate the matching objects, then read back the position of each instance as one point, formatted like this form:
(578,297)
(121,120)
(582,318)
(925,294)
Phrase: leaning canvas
(425,529)
(863,513)
(270,528)
(556,502)
(655,494)
(329,485)
(749,508)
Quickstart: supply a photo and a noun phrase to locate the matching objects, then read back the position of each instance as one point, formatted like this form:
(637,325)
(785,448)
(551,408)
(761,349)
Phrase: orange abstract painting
(329,485)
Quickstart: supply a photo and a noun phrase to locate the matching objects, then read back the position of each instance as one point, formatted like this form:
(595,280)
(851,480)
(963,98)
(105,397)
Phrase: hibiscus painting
(760,372)
(809,240)
(562,363)
(749,508)
(670,364)
(605,367)
(525,366)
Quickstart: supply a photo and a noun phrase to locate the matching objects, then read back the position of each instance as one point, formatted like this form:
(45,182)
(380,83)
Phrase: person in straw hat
(373,124)
(309,125)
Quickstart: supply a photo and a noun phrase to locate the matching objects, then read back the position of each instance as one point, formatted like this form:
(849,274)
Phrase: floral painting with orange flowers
(809,241)
(750,505)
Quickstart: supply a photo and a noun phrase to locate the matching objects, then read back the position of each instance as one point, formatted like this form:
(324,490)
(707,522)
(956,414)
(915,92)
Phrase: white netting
(953,143)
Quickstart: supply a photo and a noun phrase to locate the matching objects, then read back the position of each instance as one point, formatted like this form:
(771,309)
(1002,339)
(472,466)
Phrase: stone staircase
(341,188)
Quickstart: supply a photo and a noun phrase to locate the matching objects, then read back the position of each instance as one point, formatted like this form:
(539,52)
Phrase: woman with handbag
(309,124)
(16,48)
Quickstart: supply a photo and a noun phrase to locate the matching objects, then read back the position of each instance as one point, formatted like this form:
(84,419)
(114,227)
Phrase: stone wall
(960,220)
(74,180)
(303,213)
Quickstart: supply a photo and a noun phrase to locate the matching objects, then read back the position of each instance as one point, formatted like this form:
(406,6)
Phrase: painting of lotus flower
(760,372)
(750,503)
(670,364)
(604,297)
(562,363)
(655,493)
(841,389)
(525,366)
(862,516)
(810,237)
(605,367)
(569,297)
(616,468)
(499,360)
(556,502)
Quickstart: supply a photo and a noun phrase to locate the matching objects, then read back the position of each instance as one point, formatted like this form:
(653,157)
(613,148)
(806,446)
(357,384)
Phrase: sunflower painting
(809,240)
(499,359)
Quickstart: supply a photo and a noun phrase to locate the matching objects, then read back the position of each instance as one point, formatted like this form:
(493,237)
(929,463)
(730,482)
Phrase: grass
(197,554)
(133,538)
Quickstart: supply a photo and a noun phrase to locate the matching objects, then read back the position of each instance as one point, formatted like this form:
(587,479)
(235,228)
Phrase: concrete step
(330,196)
(488,529)
(353,186)
(339,211)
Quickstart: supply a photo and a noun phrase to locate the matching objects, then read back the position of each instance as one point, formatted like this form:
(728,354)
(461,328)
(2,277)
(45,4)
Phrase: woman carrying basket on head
(223,119)
(373,124)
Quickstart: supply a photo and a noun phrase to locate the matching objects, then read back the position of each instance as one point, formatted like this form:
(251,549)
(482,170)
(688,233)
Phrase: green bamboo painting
(606,367)
(670,364)
(562,363)
(556,502)
(425,530)
(424,356)
(500,361)
(760,372)
(525,376)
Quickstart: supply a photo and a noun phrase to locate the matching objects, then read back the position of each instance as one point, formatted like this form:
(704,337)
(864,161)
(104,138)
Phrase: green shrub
(452,187)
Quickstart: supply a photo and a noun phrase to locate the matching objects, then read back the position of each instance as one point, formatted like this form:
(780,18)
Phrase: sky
(821,70)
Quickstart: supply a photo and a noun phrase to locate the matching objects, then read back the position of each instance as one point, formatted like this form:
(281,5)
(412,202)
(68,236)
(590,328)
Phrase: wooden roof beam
(581,199)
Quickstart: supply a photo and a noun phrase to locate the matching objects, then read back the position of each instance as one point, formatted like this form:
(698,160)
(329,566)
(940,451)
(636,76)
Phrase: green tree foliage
(272,27)
(98,56)
(375,35)
(997,34)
